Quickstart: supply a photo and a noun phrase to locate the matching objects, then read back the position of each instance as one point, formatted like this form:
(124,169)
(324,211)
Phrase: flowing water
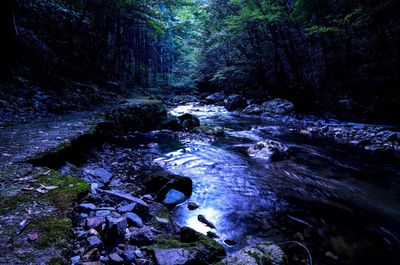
(336,198)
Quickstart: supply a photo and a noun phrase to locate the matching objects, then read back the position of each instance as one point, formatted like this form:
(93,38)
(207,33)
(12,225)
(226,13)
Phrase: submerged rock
(269,149)
(235,102)
(202,219)
(259,254)
(216,97)
(278,106)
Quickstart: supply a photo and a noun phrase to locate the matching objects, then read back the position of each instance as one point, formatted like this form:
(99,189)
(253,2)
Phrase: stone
(94,222)
(90,255)
(175,256)
(171,124)
(75,260)
(216,97)
(141,236)
(126,208)
(270,150)
(173,198)
(253,109)
(93,263)
(230,242)
(192,206)
(115,230)
(128,254)
(235,102)
(94,241)
(134,219)
(189,121)
(115,258)
(258,254)
(202,219)
(98,175)
(103,213)
(278,106)
(87,206)
(211,234)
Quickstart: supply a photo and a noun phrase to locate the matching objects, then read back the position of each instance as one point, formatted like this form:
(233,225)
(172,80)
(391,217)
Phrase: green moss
(69,189)
(9,204)
(56,261)
(53,231)
(168,242)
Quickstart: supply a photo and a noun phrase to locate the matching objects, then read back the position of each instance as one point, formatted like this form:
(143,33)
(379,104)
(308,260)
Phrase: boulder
(171,124)
(188,121)
(235,102)
(173,198)
(253,109)
(258,254)
(269,149)
(278,106)
(216,97)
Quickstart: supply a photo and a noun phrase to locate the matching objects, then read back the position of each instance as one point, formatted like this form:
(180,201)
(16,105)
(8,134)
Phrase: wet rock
(141,236)
(175,256)
(278,106)
(115,258)
(216,97)
(188,121)
(173,198)
(258,254)
(253,109)
(269,149)
(134,219)
(235,102)
(230,242)
(94,241)
(192,206)
(211,234)
(202,219)
(171,124)
(115,230)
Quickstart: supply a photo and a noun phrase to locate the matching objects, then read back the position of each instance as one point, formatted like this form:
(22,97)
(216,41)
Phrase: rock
(253,109)
(94,241)
(141,236)
(173,198)
(87,206)
(269,149)
(278,106)
(393,137)
(93,263)
(75,260)
(94,222)
(98,175)
(90,255)
(216,97)
(103,213)
(175,256)
(128,254)
(115,258)
(126,208)
(235,102)
(188,121)
(331,255)
(115,230)
(134,219)
(202,219)
(141,207)
(192,206)
(230,242)
(211,234)
(171,124)
(258,254)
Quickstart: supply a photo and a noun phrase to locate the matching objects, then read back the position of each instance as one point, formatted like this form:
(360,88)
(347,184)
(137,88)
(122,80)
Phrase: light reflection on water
(241,195)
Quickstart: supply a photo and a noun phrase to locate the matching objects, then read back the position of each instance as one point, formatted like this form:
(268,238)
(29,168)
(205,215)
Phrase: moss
(53,231)
(56,261)
(69,189)
(168,242)
(11,203)
(255,255)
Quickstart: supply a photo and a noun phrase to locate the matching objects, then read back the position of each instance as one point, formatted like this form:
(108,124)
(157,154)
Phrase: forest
(178,132)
